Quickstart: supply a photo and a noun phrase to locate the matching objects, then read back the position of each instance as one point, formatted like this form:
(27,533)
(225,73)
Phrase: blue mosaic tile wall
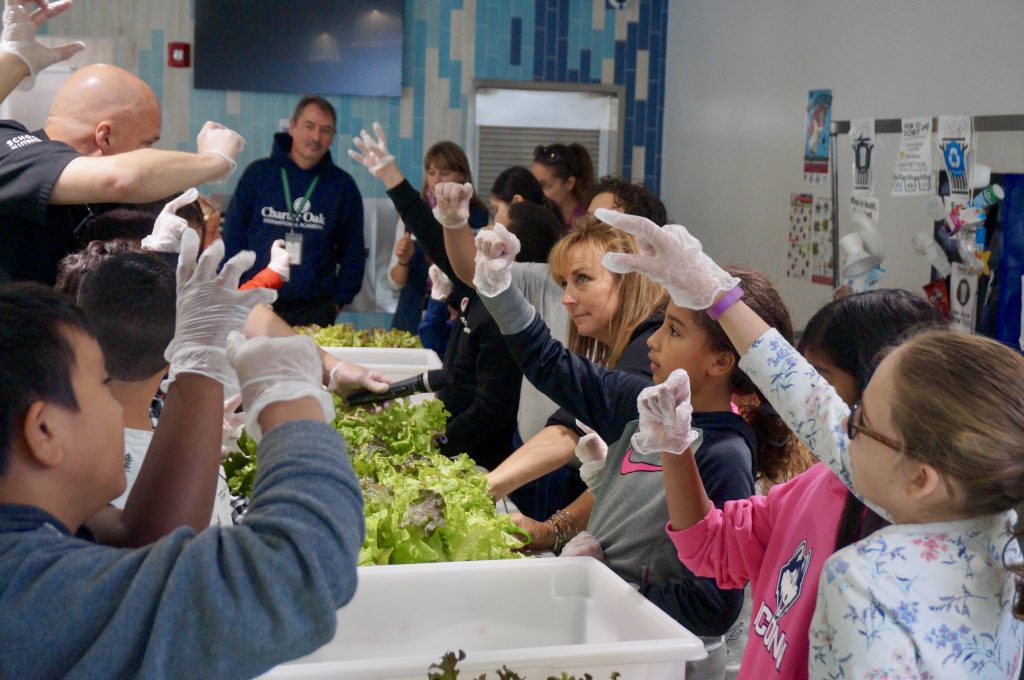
(450,42)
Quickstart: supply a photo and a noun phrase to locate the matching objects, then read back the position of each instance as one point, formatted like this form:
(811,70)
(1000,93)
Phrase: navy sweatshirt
(333,254)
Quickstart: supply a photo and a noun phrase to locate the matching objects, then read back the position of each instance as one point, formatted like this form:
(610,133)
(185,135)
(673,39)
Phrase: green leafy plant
(346,335)
(448,670)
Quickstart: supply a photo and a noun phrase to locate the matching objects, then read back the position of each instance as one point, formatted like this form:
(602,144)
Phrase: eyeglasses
(853,427)
(552,154)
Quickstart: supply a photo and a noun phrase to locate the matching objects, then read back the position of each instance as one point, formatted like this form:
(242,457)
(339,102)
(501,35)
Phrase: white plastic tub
(539,616)
(397,363)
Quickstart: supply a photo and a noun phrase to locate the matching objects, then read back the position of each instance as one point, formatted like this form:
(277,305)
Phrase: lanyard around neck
(294,215)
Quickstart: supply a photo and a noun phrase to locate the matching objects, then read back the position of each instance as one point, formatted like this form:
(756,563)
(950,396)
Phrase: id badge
(293,244)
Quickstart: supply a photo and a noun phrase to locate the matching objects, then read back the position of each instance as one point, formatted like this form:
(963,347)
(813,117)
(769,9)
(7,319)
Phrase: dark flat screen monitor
(317,46)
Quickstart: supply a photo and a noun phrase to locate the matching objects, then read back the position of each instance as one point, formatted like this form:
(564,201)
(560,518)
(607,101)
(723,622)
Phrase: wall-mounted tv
(322,46)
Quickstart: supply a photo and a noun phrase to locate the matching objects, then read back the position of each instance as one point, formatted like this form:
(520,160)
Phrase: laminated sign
(862,139)
(913,173)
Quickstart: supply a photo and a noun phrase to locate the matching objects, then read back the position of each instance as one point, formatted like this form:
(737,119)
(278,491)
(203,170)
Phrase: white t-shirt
(136,444)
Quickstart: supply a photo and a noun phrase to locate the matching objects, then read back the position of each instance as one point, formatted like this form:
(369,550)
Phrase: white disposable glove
(373,153)
(496,250)
(665,414)
(19,36)
(276,369)
(280,260)
(670,257)
(216,139)
(231,428)
(168,228)
(347,378)
(209,307)
(452,209)
(591,451)
(440,284)
(583,544)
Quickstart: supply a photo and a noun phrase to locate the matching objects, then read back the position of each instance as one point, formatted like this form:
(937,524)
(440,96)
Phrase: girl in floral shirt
(936,446)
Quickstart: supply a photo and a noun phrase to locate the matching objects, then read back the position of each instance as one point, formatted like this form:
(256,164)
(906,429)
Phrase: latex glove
(19,36)
(280,260)
(440,285)
(231,428)
(168,228)
(452,209)
(347,378)
(583,544)
(496,250)
(665,414)
(671,257)
(209,307)
(276,369)
(591,451)
(373,153)
(216,139)
(542,534)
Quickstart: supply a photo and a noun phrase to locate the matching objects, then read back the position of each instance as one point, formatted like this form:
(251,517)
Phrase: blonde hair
(959,407)
(639,297)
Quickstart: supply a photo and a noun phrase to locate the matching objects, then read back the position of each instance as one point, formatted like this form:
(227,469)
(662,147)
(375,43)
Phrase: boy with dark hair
(616,193)
(72,607)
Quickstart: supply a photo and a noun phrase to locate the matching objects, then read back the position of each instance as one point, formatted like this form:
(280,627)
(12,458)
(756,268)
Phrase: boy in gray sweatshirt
(220,603)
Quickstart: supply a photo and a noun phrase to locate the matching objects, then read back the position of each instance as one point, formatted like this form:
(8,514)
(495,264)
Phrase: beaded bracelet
(564,525)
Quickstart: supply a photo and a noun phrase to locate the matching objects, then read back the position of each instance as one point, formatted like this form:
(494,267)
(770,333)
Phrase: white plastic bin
(540,617)
(397,363)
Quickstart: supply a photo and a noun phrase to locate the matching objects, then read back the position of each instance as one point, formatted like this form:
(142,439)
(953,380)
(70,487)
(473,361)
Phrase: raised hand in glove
(373,151)
(583,544)
(280,260)
(496,250)
(216,139)
(276,369)
(440,284)
(665,415)
(169,227)
(209,307)
(591,451)
(669,256)
(452,209)
(19,36)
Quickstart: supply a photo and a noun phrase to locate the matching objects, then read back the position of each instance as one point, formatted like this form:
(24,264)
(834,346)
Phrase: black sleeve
(724,467)
(494,404)
(603,399)
(419,219)
(633,360)
(29,169)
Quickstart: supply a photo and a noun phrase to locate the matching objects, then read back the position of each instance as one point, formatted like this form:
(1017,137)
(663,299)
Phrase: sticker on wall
(801,216)
(822,260)
(862,139)
(816,136)
(955,144)
(913,173)
(963,294)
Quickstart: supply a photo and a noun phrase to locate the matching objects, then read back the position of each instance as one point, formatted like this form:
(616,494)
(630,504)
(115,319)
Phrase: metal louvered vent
(501,147)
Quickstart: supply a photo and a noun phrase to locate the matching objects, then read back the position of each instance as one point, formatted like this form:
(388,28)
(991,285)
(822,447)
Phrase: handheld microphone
(429,381)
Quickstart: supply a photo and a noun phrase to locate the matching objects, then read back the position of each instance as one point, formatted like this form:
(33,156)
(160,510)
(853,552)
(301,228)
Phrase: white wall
(738,74)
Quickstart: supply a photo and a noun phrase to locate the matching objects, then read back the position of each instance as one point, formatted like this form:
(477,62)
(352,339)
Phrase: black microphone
(429,381)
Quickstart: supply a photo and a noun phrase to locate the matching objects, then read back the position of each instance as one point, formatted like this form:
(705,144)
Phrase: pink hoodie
(779,543)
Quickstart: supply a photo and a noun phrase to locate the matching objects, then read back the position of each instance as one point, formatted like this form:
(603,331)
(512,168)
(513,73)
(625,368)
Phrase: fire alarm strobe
(179,54)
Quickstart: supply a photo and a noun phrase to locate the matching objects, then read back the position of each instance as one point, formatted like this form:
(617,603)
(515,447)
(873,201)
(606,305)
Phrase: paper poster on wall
(862,139)
(913,173)
(963,293)
(816,135)
(822,260)
(801,216)
(955,144)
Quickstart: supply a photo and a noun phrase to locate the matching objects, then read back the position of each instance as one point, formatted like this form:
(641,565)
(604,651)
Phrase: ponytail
(780,455)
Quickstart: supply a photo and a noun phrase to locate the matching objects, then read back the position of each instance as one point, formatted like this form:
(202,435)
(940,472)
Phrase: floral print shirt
(922,601)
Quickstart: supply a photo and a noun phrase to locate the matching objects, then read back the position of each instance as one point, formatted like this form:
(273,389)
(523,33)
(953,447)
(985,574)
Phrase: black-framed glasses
(854,424)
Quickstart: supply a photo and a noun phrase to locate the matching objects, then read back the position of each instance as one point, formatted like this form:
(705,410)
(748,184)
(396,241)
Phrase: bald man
(93,149)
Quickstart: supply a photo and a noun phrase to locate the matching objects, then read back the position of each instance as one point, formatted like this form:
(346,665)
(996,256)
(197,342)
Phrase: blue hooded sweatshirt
(333,255)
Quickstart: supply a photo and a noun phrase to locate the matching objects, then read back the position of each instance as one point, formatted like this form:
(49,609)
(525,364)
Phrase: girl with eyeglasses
(937,593)
(566,174)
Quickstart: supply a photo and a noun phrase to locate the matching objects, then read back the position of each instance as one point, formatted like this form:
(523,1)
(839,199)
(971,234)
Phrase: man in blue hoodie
(301,196)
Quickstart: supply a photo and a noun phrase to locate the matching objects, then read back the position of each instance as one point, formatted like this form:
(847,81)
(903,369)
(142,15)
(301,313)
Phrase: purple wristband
(724,303)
